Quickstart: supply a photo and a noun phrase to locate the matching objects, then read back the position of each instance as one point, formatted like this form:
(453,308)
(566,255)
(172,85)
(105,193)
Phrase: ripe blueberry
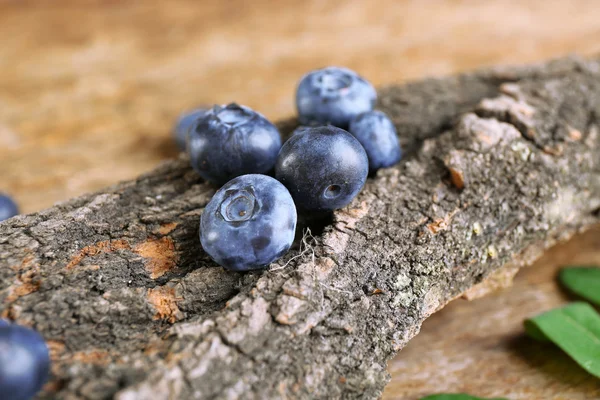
(324,168)
(24,362)
(8,208)
(377,134)
(184,124)
(231,141)
(333,95)
(249,223)
(300,129)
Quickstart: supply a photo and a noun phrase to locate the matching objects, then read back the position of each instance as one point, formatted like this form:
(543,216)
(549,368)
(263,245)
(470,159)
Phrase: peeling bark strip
(501,164)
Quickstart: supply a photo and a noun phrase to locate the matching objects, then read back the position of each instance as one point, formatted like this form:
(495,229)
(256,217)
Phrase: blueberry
(324,168)
(8,208)
(249,223)
(231,141)
(300,129)
(377,134)
(333,95)
(184,124)
(24,362)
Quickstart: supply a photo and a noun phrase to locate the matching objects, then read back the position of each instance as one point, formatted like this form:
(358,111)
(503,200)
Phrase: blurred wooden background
(89,91)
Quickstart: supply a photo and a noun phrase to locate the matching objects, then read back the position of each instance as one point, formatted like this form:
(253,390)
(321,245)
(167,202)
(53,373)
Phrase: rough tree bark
(500,164)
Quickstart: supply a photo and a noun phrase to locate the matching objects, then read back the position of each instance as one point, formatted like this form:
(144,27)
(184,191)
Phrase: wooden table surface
(89,91)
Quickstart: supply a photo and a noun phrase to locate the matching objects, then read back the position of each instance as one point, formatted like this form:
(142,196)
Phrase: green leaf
(457,396)
(575,329)
(584,281)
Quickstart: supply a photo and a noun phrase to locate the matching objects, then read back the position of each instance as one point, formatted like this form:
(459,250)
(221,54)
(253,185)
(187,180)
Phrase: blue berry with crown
(333,96)
(249,223)
(230,141)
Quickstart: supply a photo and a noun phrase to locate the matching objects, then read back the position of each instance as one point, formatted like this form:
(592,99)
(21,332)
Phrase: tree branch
(500,164)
